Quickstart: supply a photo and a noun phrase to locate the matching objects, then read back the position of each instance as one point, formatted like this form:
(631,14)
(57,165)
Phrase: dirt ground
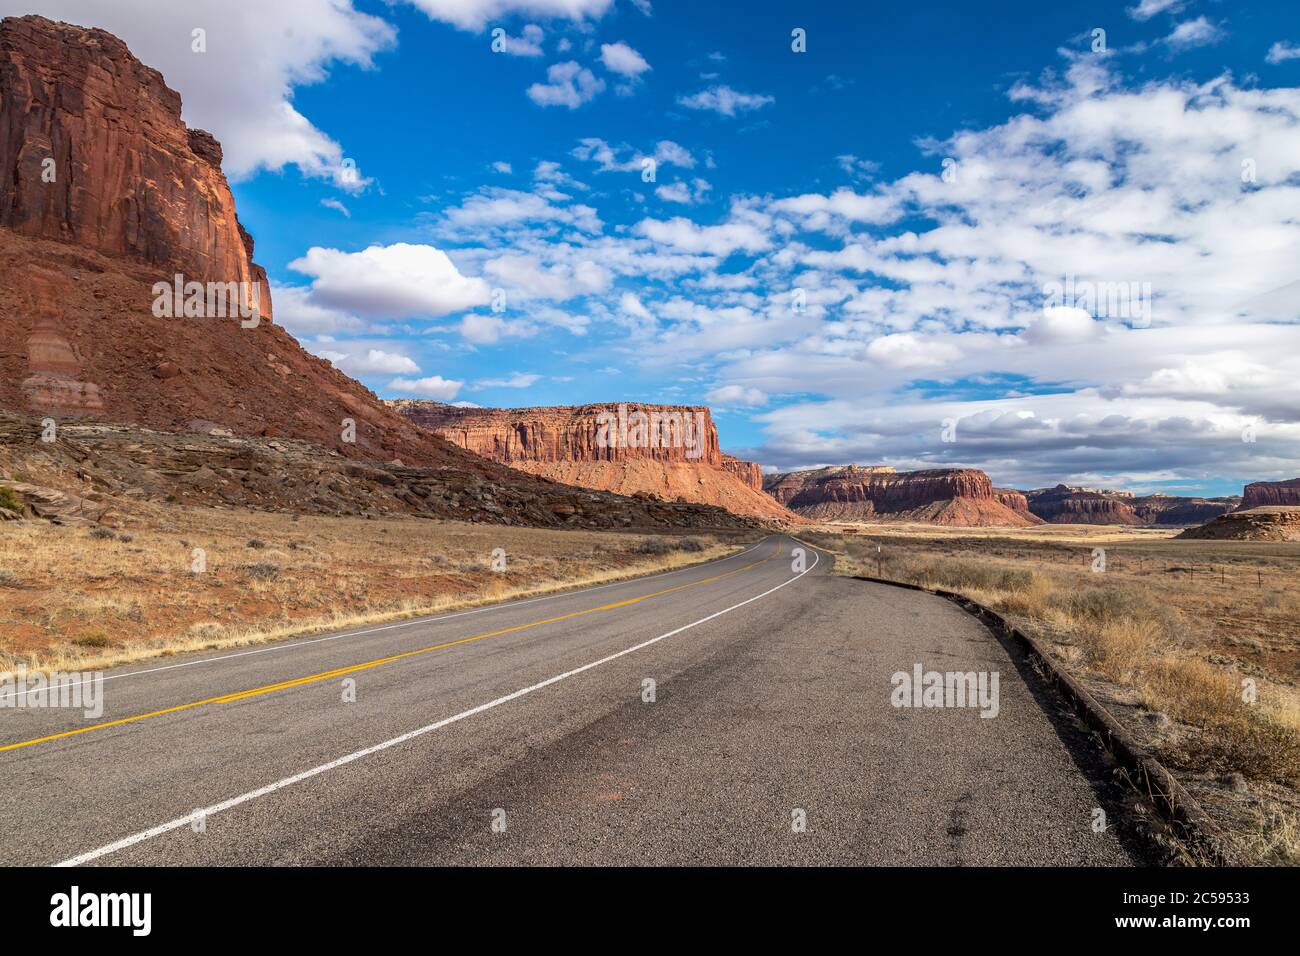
(172,578)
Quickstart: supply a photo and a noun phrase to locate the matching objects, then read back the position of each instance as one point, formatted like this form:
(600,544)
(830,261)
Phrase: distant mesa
(1066,504)
(1270,511)
(674,457)
(956,497)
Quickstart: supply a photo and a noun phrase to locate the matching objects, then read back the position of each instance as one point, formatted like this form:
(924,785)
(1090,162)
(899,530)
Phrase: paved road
(771,696)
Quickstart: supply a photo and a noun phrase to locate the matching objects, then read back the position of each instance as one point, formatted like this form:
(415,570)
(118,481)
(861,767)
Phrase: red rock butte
(958,497)
(676,457)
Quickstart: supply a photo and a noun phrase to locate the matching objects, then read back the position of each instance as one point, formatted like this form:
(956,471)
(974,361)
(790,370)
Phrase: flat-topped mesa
(1271,493)
(600,432)
(93,152)
(669,452)
(948,496)
(1065,504)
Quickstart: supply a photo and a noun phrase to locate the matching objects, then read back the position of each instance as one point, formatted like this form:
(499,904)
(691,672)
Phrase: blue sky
(800,261)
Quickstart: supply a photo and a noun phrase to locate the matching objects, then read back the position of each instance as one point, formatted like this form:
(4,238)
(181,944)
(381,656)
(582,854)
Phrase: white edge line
(411,623)
(270,788)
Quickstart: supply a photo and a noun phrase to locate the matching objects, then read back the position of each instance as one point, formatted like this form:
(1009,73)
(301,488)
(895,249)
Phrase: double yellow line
(354,668)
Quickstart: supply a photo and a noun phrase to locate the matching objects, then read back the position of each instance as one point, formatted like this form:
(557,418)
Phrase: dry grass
(73,599)
(1175,627)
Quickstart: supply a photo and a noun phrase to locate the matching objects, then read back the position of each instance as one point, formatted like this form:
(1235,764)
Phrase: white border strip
(410,735)
(409,623)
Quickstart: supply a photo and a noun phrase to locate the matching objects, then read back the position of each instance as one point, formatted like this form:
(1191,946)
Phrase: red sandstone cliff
(135,197)
(670,452)
(948,496)
(95,153)
(1271,493)
(747,471)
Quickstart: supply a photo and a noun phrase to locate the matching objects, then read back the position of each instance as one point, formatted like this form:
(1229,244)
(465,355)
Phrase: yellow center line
(354,668)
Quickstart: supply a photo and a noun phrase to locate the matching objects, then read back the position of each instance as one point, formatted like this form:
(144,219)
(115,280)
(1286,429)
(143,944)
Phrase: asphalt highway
(530,733)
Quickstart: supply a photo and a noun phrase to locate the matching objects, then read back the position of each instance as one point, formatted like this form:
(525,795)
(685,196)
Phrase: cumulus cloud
(434,386)
(1149,8)
(1194,33)
(622,59)
(241,90)
(397,281)
(725,101)
(736,395)
(567,84)
(370,361)
(528,43)
(475,14)
(1281,51)
(688,236)
(513,380)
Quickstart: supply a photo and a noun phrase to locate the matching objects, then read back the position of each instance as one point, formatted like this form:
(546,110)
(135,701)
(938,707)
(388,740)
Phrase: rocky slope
(948,496)
(670,452)
(1263,523)
(1271,493)
(98,472)
(1065,504)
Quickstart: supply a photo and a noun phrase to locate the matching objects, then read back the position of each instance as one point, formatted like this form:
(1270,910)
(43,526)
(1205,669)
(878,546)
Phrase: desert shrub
(103,534)
(655,546)
(8,579)
(262,571)
(691,544)
(256,543)
(9,500)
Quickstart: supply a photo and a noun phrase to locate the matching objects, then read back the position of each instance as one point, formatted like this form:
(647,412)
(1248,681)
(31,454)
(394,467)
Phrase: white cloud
(528,43)
(475,14)
(242,89)
(688,236)
(493,208)
(434,386)
(1194,33)
(1281,51)
(623,159)
(1149,8)
(725,101)
(622,59)
(908,351)
(1061,324)
(295,310)
(371,361)
(336,206)
(685,193)
(736,395)
(567,84)
(397,281)
(514,380)
(503,167)
(490,329)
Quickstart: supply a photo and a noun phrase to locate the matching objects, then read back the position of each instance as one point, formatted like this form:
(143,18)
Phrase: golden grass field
(79,597)
(1171,636)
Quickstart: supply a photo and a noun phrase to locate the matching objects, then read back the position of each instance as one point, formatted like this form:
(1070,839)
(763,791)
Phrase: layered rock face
(129,198)
(670,452)
(747,471)
(948,496)
(1069,505)
(94,153)
(1271,493)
